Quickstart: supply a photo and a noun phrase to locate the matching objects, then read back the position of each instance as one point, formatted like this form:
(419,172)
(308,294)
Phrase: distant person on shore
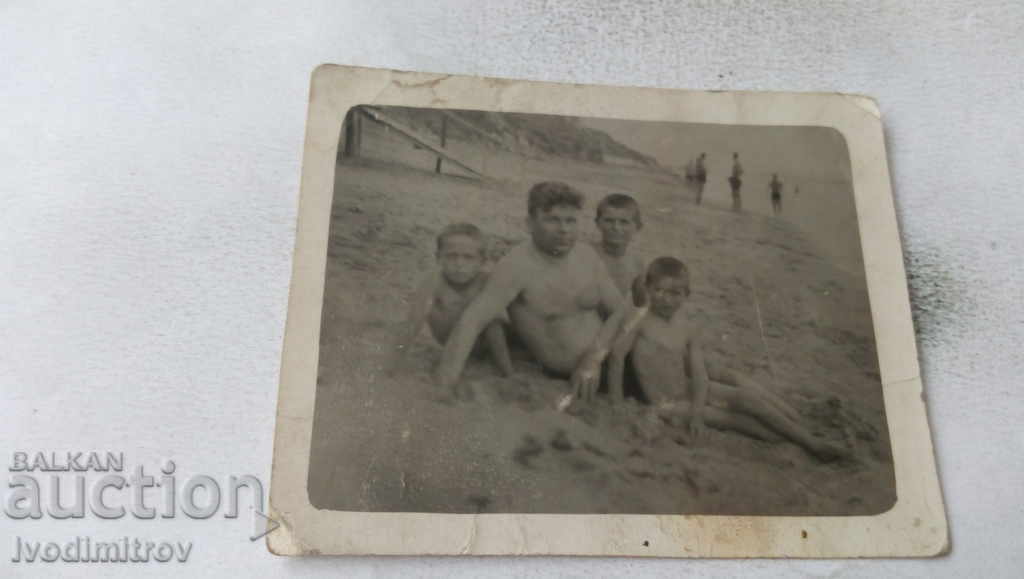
(618,219)
(690,171)
(701,176)
(563,305)
(671,369)
(445,294)
(776,188)
(735,182)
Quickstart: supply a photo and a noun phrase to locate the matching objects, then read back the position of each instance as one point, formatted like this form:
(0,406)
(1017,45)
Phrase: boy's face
(667,295)
(554,231)
(460,258)
(617,225)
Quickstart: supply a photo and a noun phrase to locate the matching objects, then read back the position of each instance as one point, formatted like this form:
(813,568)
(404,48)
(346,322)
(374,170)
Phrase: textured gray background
(149,165)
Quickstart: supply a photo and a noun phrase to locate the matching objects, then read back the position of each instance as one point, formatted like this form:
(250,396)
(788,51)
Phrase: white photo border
(915,526)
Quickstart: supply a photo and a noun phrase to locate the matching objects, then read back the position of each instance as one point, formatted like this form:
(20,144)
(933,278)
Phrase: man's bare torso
(557,312)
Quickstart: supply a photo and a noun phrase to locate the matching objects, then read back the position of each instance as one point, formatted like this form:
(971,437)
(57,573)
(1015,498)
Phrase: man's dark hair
(663,267)
(468,229)
(549,194)
(621,201)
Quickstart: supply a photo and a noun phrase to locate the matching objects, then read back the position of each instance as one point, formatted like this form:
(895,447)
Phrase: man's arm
(503,286)
(497,345)
(587,376)
(613,302)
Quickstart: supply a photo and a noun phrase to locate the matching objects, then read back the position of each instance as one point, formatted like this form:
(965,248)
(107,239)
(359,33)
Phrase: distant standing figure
(776,189)
(735,182)
(702,177)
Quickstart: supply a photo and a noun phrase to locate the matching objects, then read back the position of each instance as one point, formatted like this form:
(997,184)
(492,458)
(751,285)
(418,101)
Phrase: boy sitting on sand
(442,297)
(671,369)
(618,220)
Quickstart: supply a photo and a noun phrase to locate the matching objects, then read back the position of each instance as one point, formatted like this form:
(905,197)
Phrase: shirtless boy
(618,220)
(445,294)
(671,369)
(555,291)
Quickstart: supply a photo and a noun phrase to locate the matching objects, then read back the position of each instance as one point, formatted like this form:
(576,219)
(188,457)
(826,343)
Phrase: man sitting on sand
(445,294)
(555,292)
(618,220)
(671,369)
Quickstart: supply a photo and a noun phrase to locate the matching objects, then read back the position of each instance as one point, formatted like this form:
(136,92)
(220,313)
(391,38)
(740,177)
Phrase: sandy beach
(773,302)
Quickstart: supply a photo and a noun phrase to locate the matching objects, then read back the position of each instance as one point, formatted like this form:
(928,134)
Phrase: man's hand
(586,378)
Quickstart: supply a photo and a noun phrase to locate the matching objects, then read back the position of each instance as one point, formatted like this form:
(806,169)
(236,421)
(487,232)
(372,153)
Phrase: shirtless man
(671,369)
(555,291)
(618,220)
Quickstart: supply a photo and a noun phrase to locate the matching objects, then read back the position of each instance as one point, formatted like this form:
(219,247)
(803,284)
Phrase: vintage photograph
(546,314)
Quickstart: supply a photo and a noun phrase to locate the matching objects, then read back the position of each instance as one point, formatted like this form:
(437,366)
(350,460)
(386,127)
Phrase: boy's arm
(701,383)
(422,301)
(503,286)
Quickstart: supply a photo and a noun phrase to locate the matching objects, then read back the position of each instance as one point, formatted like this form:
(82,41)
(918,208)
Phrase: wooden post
(420,139)
(353,132)
(444,136)
(347,149)
(357,121)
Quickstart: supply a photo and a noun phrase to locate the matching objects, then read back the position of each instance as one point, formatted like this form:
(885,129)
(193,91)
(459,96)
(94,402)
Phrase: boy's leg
(779,403)
(769,397)
(631,386)
(724,420)
(744,401)
(497,345)
(678,414)
(729,377)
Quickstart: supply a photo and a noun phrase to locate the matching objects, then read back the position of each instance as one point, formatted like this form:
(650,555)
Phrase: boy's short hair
(549,194)
(663,267)
(467,229)
(621,201)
